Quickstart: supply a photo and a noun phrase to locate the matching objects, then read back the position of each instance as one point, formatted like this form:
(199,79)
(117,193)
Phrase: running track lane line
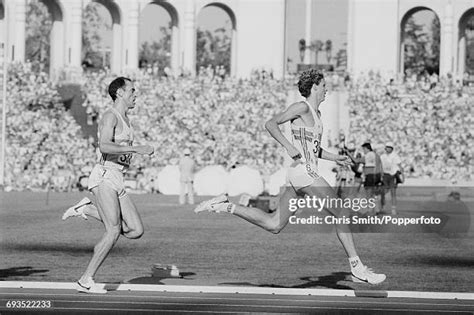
(120,297)
(242,290)
(231,305)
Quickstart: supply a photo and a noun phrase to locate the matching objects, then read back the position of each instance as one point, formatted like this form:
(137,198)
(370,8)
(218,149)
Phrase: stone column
(57,48)
(189,45)
(401,68)
(461,57)
(307,34)
(175,52)
(446,45)
(131,61)
(17,48)
(117,49)
(350,35)
(74,50)
(233,54)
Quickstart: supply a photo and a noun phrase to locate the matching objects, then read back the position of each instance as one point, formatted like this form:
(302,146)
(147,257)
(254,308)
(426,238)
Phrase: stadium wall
(374,33)
(258,28)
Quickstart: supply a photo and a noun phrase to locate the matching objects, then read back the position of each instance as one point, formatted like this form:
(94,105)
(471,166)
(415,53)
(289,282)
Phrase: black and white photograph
(237,156)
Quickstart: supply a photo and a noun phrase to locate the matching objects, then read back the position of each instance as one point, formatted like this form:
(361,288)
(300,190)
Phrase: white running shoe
(77,209)
(217,204)
(90,287)
(366,275)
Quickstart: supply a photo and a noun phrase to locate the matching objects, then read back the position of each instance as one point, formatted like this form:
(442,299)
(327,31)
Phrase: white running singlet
(308,142)
(125,137)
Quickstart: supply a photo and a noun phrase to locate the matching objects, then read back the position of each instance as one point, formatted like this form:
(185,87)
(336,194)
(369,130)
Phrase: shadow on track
(19,272)
(329,281)
(443,261)
(61,247)
(157,280)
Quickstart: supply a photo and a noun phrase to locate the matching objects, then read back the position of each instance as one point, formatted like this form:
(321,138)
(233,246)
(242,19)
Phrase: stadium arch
(228,8)
(384,55)
(463,54)
(55,9)
(256,45)
(411,12)
(175,28)
(116,57)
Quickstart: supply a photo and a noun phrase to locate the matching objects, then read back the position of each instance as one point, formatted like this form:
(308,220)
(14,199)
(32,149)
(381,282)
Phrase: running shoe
(217,205)
(90,287)
(366,275)
(77,209)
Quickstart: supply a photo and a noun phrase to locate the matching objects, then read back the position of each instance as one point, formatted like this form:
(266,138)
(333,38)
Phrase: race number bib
(316,144)
(125,159)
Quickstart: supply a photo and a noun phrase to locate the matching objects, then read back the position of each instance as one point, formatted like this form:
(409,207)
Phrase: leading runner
(114,207)
(304,148)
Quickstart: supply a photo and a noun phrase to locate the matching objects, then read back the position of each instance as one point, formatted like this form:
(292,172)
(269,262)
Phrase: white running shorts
(302,175)
(111,176)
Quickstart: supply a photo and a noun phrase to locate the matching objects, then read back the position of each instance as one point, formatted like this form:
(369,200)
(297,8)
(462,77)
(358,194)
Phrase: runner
(114,207)
(304,148)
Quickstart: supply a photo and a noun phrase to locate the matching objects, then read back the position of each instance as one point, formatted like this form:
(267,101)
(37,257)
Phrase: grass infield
(210,249)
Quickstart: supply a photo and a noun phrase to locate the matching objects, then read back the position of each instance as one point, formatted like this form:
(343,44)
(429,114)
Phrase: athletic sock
(355,262)
(226,207)
(231,208)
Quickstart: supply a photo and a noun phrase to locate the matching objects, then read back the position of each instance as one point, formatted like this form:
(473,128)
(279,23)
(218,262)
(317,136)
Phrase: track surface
(121,302)
(224,252)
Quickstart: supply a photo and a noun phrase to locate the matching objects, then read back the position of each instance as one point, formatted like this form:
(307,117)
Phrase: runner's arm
(342,160)
(351,156)
(291,113)
(326,155)
(106,132)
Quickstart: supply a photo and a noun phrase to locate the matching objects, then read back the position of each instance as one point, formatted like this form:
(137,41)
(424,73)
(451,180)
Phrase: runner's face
(320,90)
(129,95)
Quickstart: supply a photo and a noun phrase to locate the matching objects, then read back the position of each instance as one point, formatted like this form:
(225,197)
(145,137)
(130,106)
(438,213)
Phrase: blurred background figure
(344,174)
(186,169)
(354,173)
(372,174)
(391,165)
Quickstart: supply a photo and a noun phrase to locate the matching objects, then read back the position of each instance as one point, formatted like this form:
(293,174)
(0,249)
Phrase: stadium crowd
(221,120)
(428,119)
(44,146)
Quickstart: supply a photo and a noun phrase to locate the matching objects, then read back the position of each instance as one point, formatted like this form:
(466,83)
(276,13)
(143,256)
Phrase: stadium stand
(221,120)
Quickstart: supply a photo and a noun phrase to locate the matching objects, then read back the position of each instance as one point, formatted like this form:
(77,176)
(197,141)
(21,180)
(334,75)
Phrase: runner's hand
(343,160)
(294,153)
(144,149)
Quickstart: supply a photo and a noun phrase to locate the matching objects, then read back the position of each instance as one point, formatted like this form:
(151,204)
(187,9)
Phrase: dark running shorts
(371,180)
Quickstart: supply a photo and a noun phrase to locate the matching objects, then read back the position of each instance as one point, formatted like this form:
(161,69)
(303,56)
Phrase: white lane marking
(234,290)
(378,302)
(234,312)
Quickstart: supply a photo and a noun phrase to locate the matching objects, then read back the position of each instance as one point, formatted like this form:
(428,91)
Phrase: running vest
(308,140)
(125,138)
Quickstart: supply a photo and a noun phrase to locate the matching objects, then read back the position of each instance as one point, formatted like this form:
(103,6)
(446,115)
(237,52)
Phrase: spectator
(372,174)
(391,165)
(196,112)
(186,169)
